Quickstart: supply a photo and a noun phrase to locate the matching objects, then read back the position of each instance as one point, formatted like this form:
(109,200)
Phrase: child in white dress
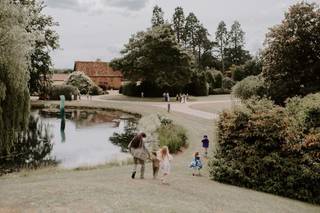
(165,167)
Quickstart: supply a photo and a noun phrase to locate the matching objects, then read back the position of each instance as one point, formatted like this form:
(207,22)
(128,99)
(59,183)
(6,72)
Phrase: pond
(82,138)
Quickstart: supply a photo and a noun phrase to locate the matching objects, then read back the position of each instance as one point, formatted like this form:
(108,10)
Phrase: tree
(291,59)
(190,31)
(14,60)
(156,57)
(235,54)
(178,23)
(157,16)
(47,40)
(81,81)
(222,41)
(202,42)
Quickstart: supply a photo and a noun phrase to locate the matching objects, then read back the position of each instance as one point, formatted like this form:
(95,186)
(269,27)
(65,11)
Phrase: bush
(130,89)
(67,90)
(251,67)
(95,90)
(262,146)
(32,148)
(173,136)
(123,139)
(198,85)
(227,83)
(219,91)
(252,86)
(81,81)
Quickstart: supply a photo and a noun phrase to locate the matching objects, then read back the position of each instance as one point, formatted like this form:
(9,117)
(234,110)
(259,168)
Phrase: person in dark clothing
(205,145)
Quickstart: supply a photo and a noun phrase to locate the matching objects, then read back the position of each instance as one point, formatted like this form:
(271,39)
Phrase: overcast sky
(92,29)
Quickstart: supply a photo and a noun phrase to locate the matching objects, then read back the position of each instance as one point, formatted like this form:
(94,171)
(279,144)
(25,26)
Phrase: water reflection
(87,142)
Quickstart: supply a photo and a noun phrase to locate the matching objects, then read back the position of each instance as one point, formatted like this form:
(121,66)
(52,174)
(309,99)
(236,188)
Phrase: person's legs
(134,167)
(155,172)
(142,168)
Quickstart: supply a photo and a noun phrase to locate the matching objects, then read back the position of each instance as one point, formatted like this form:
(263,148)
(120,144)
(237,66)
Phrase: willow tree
(15,44)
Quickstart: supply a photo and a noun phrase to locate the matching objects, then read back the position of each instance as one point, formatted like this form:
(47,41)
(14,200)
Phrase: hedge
(271,148)
(67,90)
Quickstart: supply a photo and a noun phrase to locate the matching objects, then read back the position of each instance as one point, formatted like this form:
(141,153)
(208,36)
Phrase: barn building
(101,73)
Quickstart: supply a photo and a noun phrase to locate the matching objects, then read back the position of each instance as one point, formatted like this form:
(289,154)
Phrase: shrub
(81,81)
(198,85)
(95,90)
(32,148)
(130,89)
(123,139)
(217,77)
(173,136)
(67,90)
(219,91)
(250,87)
(260,146)
(227,83)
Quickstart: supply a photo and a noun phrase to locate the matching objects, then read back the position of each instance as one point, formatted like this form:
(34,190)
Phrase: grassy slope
(110,189)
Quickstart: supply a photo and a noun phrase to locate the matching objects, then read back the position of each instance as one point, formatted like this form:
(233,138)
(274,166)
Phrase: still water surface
(85,139)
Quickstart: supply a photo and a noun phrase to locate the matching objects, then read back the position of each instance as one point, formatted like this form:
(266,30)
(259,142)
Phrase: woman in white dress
(165,167)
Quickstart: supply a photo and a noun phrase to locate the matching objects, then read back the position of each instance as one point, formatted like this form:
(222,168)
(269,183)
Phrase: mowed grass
(110,189)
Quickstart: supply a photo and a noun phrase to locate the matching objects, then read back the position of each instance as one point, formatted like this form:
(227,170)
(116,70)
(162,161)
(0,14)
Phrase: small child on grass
(196,164)
(165,158)
(155,164)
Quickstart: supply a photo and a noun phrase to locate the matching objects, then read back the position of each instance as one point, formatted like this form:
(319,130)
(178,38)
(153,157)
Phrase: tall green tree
(157,16)
(291,59)
(154,56)
(14,60)
(47,40)
(235,52)
(202,42)
(222,42)
(191,26)
(178,23)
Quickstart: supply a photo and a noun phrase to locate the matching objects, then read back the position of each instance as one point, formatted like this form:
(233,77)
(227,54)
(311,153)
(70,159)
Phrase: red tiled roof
(96,68)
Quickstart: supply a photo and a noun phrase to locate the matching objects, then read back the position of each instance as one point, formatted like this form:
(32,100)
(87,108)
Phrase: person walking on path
(139,152)
(165,167)
(205,145)
(196,164)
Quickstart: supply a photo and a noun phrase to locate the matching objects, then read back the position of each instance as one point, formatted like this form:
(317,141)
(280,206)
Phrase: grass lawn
(110,189)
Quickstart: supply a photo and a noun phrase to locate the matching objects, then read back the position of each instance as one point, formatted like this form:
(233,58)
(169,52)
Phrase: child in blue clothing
(196,164)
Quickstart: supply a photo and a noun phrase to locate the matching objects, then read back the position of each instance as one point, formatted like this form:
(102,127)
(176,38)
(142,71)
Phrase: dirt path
(110,189)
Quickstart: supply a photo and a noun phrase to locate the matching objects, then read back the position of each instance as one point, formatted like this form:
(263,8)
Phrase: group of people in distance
(182,98)
(161,159)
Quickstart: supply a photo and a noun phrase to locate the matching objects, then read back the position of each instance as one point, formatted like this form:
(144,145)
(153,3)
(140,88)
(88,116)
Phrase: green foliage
(291,58)
(262,146)
(14,94)
(46,40)
(154,56)
(95,90)
(252,86)
(67,90)
(219,91)
(81,81)
(33,147)
(173,136)
(199,85)
(157,16)
(178,23)
(123,139)
(227,83)
(222,42)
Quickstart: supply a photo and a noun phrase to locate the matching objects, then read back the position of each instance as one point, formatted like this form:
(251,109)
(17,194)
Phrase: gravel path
(110,189)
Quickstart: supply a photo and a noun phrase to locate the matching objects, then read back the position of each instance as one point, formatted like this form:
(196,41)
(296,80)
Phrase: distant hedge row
(271,148)
(202,83)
